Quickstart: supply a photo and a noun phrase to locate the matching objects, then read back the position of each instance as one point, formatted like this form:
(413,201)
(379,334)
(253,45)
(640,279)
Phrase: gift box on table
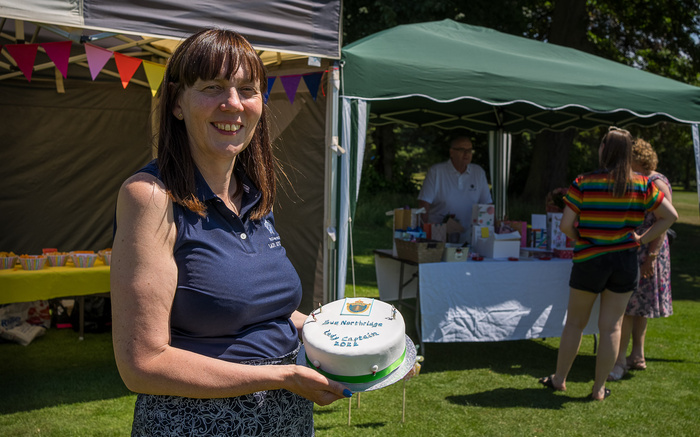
(420,251)
(556,239)
(499,245)
(483,214)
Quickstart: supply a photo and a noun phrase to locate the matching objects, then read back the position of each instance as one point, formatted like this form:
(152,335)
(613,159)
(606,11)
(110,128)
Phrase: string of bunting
(59,53)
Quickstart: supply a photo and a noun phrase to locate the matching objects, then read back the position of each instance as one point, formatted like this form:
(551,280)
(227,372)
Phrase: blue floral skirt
(264,413)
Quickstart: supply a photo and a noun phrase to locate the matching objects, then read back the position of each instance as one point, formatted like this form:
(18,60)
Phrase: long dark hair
(206,55)
(616,158)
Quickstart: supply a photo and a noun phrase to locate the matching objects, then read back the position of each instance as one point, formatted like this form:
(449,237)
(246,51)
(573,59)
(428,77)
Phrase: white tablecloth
(487,300)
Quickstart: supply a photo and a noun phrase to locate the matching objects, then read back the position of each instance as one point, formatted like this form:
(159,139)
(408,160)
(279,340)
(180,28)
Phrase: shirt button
(243,236)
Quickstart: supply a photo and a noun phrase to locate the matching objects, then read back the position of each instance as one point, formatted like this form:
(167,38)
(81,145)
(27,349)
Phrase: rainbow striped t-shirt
(606,222)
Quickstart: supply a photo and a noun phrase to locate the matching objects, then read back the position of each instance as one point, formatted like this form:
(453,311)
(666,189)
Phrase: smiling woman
(204,298)
(220,116)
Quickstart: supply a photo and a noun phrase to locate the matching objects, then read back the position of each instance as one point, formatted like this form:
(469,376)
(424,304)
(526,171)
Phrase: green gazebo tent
(453,75)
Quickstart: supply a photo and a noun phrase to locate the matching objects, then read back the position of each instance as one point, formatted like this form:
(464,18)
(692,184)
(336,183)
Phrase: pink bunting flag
(127,66)
(290,84)
(312,81)
(24,55)
(59,53)
(97,57)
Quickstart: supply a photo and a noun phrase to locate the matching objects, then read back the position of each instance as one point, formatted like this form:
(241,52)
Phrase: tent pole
(696,148)
(331,201)
(499,168)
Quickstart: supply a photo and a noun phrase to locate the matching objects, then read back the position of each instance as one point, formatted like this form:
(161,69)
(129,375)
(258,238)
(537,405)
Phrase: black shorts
(615,271)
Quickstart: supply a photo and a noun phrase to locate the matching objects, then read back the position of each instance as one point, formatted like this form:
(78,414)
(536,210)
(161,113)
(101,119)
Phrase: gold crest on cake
(360,342)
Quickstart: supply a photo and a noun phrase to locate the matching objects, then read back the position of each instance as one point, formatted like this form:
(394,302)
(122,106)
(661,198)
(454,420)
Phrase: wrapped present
(483,214)
(538,231)
(565,253)
(520,226)
(438,231)
(556,239)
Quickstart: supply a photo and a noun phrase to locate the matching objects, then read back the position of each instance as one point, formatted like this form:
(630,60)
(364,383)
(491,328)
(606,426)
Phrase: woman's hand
(647,268)
(313,386)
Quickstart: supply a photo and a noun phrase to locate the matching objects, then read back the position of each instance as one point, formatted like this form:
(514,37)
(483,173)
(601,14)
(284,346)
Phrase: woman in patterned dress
(652,298)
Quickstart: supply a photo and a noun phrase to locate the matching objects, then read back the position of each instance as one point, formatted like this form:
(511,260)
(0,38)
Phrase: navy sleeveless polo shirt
(236,288)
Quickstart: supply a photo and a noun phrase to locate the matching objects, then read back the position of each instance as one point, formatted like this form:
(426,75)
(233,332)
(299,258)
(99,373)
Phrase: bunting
(290,84)
(270,82)
(97,57)
(59,53)
(24,55)
(312,82)
(127,66)
(154,73)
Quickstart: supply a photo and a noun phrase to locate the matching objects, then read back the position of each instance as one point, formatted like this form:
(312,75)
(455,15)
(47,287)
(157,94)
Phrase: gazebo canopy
(450,75)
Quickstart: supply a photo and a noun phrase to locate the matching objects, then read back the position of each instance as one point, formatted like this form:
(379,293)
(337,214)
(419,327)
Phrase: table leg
(418,319)
(81,317)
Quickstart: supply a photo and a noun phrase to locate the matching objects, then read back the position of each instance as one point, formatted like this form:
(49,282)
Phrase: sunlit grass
(59,386)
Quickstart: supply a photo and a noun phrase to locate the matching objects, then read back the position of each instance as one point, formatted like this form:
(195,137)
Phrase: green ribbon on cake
(360,379)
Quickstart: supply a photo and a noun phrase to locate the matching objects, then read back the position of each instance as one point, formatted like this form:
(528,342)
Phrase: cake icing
(355,340)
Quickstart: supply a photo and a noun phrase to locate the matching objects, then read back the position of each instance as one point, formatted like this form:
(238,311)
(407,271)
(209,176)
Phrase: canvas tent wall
(453,75)
(65,154)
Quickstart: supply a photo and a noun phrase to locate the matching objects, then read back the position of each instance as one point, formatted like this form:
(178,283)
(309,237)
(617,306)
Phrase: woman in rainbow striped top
(603,209)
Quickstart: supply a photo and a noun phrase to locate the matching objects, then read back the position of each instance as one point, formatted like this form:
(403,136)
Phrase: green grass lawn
(58,386)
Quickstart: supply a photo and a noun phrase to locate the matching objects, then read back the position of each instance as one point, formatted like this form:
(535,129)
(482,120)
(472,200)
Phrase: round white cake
(355,340)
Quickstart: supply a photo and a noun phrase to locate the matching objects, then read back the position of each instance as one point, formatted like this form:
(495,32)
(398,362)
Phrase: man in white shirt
(453,186)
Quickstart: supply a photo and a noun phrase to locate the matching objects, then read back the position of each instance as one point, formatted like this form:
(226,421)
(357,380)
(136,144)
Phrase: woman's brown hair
(206,55)
(616,158)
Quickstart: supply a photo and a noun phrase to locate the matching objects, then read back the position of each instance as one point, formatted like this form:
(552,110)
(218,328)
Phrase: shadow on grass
(535,358)
(371,426)
(685,259)
(514,398)
(58,369)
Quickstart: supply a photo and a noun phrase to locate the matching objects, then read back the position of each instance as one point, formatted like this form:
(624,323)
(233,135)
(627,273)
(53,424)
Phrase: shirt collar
(453,169)
(251,195)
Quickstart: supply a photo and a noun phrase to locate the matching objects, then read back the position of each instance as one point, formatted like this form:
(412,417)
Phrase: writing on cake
(348,341)
(352,323)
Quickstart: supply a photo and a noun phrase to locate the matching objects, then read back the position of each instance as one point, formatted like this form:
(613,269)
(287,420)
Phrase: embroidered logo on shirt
(269,227)
(274,239)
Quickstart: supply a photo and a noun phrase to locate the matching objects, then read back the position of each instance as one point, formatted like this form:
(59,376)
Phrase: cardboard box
(499,246)
(402,218)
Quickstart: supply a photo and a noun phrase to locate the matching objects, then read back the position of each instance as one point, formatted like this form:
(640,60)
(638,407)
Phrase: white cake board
(395,376)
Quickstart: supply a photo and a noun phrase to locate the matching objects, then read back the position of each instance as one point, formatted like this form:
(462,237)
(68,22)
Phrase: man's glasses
(467,151)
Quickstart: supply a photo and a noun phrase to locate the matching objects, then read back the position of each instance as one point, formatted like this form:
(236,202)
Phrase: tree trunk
(387,146)
(549,165)
(570,25)
(551,151)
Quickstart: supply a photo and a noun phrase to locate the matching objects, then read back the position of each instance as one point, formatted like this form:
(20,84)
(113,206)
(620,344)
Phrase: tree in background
(654,35)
